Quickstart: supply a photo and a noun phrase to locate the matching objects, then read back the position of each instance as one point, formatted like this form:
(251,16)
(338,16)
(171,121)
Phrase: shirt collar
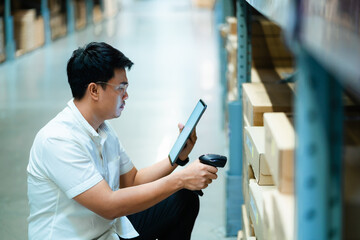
(99,138)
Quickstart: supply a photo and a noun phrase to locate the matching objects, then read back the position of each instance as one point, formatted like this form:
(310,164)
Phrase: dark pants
(171,219)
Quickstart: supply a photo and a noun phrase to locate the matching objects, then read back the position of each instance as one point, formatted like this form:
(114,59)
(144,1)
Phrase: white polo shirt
(67,158)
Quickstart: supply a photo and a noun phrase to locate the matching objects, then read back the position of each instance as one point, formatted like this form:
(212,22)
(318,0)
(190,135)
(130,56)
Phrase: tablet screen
(188,128)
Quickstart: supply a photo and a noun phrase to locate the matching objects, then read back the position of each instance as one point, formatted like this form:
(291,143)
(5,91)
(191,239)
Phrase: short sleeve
(68,166)
(125,163)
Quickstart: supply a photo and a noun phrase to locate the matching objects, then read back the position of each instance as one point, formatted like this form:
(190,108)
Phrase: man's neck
(88,113)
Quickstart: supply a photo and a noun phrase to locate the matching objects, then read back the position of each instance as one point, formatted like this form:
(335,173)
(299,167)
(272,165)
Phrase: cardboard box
(254,141)
(262,26)
(352,179)
(248,230)
(248,174)
(265,75)
(232,23)
(256,204)
(284,216)
(24,28)
(80,14)
(110,8)
(39,32)
(259,98)
(269,220)
(209,4)
(58,26)
(97,14)
(279,150)
(54,6)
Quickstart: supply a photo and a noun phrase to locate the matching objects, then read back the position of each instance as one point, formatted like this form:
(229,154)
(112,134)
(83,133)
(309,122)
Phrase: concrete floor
(173,46)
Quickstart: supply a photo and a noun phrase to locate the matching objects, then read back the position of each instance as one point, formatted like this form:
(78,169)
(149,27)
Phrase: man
(81,182)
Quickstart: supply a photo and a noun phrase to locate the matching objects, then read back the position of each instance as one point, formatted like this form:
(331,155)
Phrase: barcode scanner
(214,160)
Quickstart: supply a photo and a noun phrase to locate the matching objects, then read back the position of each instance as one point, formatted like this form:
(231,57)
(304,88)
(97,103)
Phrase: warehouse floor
(173,46)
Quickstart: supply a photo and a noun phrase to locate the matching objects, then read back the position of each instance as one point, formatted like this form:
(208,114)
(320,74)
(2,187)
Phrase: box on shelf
(269,221)
(279,150)
(232,23)
(247,229)
(352,179)
(24,28)
(268,47)
(209,4)
(80,14)
(284,215)
(254,142)
(231,73)
(256,207)
(259,98)
(262,26)
(247,175)
(97,14)
(54,6)
(39,32)
(110,8)
(58,25)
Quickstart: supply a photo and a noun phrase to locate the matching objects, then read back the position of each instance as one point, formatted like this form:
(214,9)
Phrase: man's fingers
(181,127)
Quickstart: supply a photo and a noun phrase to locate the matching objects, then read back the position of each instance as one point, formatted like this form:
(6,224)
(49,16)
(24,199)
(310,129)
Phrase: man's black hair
(94,62)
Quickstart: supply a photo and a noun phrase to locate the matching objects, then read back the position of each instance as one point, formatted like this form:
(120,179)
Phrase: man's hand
(189,143)
(197,175)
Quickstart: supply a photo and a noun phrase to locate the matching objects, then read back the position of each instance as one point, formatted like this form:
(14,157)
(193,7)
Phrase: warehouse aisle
(174,50)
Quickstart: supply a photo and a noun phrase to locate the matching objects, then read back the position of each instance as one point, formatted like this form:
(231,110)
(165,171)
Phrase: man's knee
(189,200)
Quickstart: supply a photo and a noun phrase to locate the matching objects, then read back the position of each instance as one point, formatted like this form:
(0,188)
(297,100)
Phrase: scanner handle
(212,160)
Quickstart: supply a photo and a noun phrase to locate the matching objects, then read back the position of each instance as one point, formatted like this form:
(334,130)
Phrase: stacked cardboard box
(24,29)
(97,14)
(58,24)
(279,150)
(110,8)
(268,47)
(231,45)
(2,40)
(80,14)
(54,6)
(29,30)
(259,98)
(267,191)
(352,179)
(254,144)
(209,4)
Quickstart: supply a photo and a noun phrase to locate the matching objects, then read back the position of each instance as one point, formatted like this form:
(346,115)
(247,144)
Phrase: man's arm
(112,204)
(146,175)
(157,170)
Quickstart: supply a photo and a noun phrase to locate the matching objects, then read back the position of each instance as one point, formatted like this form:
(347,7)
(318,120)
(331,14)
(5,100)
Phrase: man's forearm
(154,172)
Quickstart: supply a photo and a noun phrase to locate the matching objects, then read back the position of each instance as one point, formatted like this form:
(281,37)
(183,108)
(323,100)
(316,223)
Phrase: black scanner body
(214,160)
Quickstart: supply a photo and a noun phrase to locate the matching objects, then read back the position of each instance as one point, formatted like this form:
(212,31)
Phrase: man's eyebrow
(124,83)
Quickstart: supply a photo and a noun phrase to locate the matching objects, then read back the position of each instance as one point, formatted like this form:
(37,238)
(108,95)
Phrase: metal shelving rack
(10,45)
(328,55)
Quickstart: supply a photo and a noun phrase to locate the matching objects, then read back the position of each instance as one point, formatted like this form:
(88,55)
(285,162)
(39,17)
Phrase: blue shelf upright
(89,11)
(318,168)
(70,12)
(10,45)
(46,15)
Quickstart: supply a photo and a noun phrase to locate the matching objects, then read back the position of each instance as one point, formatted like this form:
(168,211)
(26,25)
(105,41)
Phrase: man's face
(114,96)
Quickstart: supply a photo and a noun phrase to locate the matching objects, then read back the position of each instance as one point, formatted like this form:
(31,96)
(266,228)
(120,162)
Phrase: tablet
(185,133)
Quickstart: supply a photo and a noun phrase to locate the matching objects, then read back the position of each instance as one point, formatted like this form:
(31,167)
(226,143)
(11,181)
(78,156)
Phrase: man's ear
(93,90)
